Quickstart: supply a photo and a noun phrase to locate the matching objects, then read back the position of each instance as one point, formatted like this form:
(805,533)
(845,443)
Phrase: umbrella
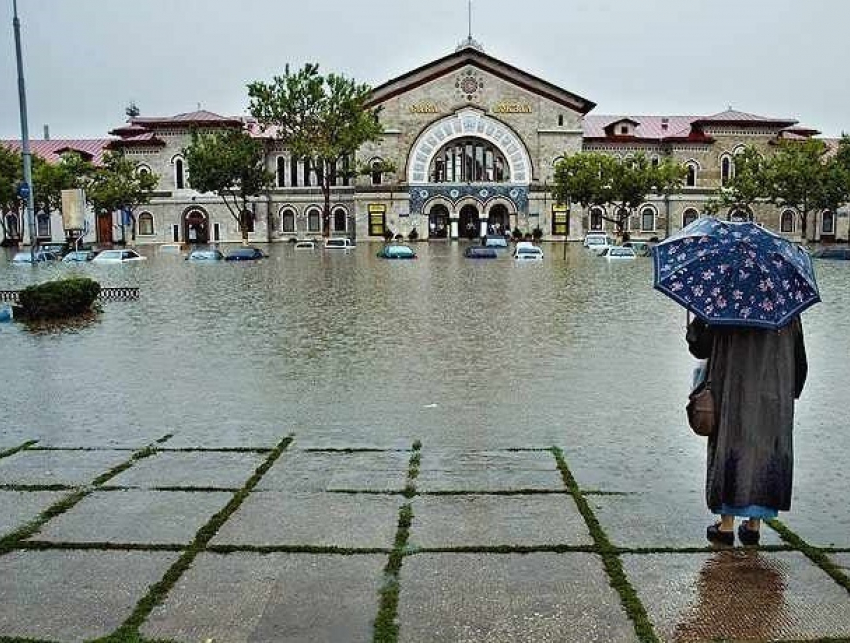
(736,274)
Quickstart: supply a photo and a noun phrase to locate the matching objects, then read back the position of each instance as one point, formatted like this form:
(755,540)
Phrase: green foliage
(232,165)
(804,175)
(59,299)
(117,184)
(321,118)
(11,174)
(50,179)
(584,178)
(749,182)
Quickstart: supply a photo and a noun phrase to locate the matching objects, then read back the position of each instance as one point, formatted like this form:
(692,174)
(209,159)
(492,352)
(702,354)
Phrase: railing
(106,294)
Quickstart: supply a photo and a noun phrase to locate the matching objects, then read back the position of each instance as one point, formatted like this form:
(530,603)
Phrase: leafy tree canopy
(117,184)
(11,173)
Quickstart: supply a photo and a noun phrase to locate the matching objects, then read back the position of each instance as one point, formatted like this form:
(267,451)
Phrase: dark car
(245,254)
(832,253)
(60,249)
(480,252)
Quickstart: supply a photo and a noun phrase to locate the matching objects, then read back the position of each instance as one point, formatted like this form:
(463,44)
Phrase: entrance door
(104,227)
(196,229)
(438,222)
(499,220)
(468,224)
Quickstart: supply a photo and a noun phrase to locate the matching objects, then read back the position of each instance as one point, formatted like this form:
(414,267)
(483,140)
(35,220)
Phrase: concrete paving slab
(135,516)
(510,598)
(17,508)
(74,595)
(91,436)
(821,517)
(738,595)
(58,467)
(321,519)
(488,471)
(317,471)
(228,434)
(192,469)
(659,520)
(467,521)
(273,598)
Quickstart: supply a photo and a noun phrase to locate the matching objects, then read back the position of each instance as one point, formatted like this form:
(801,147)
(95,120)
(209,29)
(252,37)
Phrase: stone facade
(474,142)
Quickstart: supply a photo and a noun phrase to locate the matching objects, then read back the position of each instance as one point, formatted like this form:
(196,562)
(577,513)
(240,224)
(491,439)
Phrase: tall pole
(25,138)
(470,20)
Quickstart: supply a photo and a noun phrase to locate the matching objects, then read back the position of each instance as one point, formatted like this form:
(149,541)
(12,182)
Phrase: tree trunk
(326,193)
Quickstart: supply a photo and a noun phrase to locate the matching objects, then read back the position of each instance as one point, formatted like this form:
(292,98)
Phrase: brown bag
(702,415)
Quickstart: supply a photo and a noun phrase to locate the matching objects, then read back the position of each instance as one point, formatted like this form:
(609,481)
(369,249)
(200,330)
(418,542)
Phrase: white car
(618,253)
(338,243)
(597,244)
(527,251)
(593,236)
(118,256)
(305,245)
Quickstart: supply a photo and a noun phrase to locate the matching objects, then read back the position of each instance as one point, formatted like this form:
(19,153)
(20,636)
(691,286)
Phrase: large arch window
(727,169)
(786,222)
(42,225)
(691,175)
(689,216)
(281,172)
(647,219)
(314,220)
(377,175)
(596,220)
(438,221)
(287,220)
(145,221)
(740,215)
(339,219)
(469,160)
(827,222)
(179,173)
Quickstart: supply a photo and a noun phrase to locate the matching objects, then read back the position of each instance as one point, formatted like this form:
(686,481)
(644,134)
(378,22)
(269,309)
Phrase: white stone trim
(468,122)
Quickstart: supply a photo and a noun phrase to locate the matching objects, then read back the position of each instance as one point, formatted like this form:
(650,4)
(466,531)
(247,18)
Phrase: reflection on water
(348,349)
(740,597)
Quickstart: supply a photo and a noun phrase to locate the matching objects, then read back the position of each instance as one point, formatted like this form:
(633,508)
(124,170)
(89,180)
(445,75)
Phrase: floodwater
(348,350)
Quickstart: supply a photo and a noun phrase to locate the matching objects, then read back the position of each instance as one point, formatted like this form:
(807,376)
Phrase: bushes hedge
(57,299)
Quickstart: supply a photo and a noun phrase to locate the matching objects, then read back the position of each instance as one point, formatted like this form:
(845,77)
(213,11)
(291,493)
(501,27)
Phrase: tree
(51,178)
(232,165)
(11,174)
(804,176)
(322,120)
(117,184)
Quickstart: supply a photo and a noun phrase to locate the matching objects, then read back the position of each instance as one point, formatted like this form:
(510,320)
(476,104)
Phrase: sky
(86,60)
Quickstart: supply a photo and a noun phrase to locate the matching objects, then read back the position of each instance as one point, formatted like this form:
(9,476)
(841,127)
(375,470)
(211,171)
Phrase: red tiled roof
(52,150)
(732,116)
(145,139)
(200,116)
(649,127)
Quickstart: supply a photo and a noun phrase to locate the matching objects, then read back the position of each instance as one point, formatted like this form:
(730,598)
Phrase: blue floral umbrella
(736,274)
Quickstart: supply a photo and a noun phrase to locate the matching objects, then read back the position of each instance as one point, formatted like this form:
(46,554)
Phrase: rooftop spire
(470,41)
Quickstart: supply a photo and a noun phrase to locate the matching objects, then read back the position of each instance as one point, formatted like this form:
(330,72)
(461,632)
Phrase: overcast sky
(86,60)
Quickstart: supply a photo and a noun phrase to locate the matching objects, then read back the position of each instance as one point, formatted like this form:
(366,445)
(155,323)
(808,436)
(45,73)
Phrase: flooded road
(348,350)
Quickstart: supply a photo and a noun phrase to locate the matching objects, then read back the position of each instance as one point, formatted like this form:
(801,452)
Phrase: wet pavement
(162,496)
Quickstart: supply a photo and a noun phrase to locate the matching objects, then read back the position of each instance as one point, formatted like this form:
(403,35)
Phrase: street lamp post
(27,191)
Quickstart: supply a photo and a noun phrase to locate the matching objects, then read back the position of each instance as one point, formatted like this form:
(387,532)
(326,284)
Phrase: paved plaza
(283,541)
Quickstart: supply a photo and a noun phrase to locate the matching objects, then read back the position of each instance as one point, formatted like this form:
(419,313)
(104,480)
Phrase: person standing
(755,376)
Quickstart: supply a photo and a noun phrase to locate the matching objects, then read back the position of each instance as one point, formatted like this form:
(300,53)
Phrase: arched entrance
(438,222)
(196,227)
(499,221)
(468,222)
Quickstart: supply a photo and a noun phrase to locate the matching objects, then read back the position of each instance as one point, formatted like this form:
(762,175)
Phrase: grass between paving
(814,554)
(21,447)
(386,623)
(129,630)
(610,558)
(14,540)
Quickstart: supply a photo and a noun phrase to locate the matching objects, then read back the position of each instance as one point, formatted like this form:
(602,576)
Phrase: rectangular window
(175,233)
(216,232)
(377,219)
(293,172)
(560,220)
(307,170)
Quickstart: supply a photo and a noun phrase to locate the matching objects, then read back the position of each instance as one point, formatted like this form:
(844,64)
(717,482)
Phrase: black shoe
(748,537)
(718,537)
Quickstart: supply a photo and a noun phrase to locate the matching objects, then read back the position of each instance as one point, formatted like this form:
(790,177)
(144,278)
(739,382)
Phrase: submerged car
(205,255)
(527,251)
(495,241)
(338,243)
(78,256)
(396,252)
(245,254)
(641,248)
(832,252)
(118,256)
(480,252)
(596,243)
(40,256)
(305,245)
(618,253)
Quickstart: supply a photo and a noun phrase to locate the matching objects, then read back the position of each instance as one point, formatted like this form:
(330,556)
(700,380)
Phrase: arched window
(625,215)
(647,219)
(469,160)
(740,215)
(142,169)
(691,176)
(314,220)
(293,171)
(340,220)
(42,229)
(179,174)
(287,220)
(689,216)
(827,225)
(786,223)
(596,220)
(145,221)
(727,169)
(281,172)
(247,221)
(12,228)
(377,175)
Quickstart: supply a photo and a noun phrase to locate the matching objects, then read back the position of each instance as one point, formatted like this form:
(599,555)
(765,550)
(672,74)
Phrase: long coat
(755,375)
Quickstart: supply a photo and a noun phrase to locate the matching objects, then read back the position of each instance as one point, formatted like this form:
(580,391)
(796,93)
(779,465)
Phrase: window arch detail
(648,215)
(787,221)
(596,220)
(727,169)
(145,224)
(314,219)
(689,216)
(827,222)
(179,171)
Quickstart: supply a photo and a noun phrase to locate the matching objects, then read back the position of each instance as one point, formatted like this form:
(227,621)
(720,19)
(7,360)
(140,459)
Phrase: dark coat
(755,375)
